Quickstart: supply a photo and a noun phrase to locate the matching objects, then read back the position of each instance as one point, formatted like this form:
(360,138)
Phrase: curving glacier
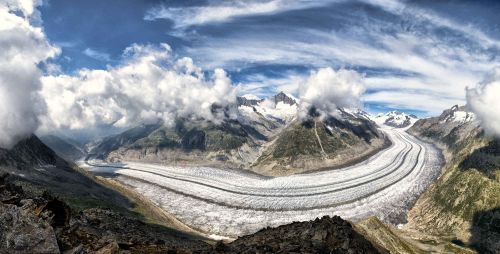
(232,203)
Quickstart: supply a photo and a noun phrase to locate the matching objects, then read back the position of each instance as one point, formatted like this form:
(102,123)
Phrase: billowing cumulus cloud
(149,85)
(484,101)
(23,47)
(327,89)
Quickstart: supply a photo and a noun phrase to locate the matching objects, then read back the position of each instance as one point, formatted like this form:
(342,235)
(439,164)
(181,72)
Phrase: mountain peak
(458,114)
(248,100)
(396,119)
(285,98)
(29,151)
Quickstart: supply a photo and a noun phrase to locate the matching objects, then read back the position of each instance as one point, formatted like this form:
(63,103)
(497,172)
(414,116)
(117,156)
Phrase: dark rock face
(282,97)
(66,149)
(486,231)
(28,152)
(325,235)
(36,167)
(193,139)
(242,101)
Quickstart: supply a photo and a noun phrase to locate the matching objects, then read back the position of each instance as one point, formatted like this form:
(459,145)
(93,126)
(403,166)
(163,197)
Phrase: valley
(226,203)
(256,126)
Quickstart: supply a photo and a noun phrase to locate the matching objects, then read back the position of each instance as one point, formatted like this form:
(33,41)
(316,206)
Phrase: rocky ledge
(325,235)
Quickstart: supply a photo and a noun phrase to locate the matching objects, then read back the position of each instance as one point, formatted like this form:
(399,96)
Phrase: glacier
(233,202)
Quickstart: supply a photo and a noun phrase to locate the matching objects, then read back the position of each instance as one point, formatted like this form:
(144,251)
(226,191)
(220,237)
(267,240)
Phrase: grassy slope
(298,144)
(469,186)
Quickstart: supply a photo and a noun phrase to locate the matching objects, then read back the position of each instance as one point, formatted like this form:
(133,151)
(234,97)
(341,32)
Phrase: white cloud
(148,86)
(101,56)
(219,12)
(22,47)
(327,89)
(433,65)
(420,15)
(262,85)
(420,60)
(484,101)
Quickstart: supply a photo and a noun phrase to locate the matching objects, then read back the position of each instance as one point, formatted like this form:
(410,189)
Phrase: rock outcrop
(325,235)
(243,101)
(283,97)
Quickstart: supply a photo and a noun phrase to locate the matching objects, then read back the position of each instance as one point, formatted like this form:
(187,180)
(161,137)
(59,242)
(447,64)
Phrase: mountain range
(395,119)
(264,135)
(457,214)
(465,200)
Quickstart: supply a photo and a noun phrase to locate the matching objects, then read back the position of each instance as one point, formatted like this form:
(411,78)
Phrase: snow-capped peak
(357,112)
(251,97)
(280,108)
(457,114)
(285,98)
(395,119)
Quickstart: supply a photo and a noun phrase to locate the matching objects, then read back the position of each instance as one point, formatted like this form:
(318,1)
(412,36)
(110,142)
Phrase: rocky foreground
(31,223)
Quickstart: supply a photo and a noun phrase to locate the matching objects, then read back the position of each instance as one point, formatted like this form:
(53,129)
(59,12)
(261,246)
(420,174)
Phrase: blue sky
(417,56)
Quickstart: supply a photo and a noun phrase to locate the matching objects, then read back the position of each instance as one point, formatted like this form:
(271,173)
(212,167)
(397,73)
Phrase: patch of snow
(269,110)
(463,117)
(297,100)
(250,97)
(357,112)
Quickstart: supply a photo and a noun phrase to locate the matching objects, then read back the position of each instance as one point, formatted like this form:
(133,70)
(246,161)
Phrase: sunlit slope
(465,201)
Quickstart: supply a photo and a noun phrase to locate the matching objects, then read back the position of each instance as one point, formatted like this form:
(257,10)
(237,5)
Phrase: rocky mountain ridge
(93,228)
(395,119)
(251,139)
(465,200)
(318,143)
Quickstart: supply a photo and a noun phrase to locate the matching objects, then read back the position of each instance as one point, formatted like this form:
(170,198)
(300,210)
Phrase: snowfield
(231,203)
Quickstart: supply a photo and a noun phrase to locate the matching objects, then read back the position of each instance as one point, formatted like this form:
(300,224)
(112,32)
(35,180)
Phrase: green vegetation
(195,136)
(295,141)
(469,187)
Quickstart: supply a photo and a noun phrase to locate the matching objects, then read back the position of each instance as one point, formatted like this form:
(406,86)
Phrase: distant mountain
(68,150)
(235,142)
(465,200)
(395,119)
(101,148)
(266,135)
(187,142)
(248,100)
(285,98)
